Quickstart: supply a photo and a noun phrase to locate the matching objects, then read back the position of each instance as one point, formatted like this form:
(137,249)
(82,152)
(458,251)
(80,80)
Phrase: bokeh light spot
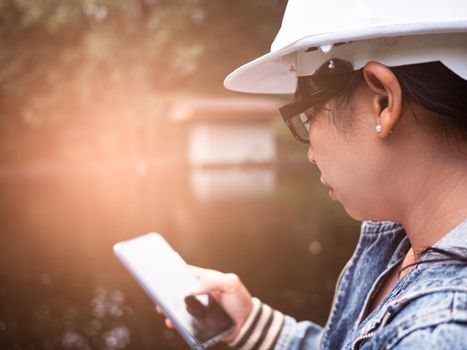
(315,247)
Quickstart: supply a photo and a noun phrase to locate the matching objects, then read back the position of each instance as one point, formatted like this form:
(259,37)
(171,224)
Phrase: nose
(311,157)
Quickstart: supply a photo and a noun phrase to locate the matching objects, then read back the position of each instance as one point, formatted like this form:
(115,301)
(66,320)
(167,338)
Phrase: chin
(362,217)
(359,213)
(356,215)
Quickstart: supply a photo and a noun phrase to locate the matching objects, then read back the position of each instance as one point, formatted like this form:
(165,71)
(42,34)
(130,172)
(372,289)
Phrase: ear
(387,95)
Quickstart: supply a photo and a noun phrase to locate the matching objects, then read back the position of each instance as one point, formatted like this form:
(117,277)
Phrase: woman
(381,98)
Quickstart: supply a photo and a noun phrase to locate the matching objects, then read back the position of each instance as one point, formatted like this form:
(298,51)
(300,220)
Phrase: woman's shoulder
(431,333)
(431,309)
(425,319)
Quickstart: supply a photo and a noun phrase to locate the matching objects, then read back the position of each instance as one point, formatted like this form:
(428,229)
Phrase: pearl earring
(378,128)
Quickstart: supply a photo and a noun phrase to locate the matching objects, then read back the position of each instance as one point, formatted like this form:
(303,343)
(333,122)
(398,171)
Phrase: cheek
(357,183)
(339,170)
(352,187)
(352,165)
(328,149)
(346,168)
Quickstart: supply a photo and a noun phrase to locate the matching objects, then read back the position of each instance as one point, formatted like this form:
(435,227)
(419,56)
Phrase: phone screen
(169,281)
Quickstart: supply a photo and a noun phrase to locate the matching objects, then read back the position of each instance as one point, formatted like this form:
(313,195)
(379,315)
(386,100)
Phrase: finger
(169,323)
(215,281)
(159,310)
(201,272)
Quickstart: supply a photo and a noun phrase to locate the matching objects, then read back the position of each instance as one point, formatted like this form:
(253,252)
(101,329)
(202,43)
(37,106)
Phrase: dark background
(89,156)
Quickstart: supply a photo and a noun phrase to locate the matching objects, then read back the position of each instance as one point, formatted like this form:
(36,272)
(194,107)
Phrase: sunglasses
(331,77)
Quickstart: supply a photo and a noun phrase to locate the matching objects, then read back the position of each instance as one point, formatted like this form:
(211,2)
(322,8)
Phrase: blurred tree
(79,62)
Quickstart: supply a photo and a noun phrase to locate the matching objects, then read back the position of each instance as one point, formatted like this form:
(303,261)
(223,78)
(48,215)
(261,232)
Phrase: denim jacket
(426,309)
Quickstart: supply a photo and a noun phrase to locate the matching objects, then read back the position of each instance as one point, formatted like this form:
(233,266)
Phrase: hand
(228,290)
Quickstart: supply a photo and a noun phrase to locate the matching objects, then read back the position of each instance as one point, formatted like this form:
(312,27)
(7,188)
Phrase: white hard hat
(396,32)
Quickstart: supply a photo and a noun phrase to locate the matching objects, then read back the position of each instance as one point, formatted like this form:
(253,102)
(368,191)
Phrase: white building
(229,131)
(225,135)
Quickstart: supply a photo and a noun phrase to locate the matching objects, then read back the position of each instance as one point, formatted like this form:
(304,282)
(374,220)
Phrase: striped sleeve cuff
(260,330)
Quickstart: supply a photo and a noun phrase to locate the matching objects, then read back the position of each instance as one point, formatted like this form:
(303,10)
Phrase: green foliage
(66,63)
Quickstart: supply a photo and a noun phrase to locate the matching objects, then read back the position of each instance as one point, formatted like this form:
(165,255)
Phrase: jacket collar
(455,238)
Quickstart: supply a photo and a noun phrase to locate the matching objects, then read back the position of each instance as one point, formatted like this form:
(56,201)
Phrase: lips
(321,179)
(331,192)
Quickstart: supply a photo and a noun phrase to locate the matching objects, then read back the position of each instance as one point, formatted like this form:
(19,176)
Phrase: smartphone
(168,280)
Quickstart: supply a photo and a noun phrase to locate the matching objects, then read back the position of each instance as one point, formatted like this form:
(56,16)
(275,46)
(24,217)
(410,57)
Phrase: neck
(438,206)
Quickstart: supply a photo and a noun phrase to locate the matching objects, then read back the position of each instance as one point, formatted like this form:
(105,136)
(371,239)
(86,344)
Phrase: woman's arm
(266,328)
(258,325)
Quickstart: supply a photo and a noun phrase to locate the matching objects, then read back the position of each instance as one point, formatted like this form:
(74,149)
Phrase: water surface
(62,288)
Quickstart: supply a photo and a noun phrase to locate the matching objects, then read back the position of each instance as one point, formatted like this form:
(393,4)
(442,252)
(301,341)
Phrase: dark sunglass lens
(298,128)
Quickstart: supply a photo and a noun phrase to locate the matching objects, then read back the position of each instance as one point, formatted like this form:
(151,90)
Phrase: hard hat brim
(275,72)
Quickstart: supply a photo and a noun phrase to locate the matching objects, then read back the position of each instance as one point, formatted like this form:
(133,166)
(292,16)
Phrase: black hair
(435,87)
